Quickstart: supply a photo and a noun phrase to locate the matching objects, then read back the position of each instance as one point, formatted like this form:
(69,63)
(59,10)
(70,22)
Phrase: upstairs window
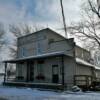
(50,41)
(24,52)
(40,47)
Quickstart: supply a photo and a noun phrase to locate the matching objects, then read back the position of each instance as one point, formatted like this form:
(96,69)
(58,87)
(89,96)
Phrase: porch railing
(84,80)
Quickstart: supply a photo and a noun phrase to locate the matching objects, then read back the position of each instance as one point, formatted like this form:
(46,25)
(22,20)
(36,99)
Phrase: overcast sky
(41,12)
(44,12)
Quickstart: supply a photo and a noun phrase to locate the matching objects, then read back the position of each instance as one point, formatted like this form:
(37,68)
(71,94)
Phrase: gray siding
(69,64)
(82,53)
(47,68)
(39,43)
(98,73)
(83,70)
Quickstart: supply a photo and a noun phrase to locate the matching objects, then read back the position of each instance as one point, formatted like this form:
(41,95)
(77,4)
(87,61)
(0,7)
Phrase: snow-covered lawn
(33,94)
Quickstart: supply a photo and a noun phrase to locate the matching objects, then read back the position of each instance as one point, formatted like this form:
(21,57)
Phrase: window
(40,47)
(40,71)
(50,41)
(40,67)
(20,69)
(23,52)
(55,69)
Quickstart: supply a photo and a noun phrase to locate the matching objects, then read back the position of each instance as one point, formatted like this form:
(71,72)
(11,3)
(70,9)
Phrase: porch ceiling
(46,55)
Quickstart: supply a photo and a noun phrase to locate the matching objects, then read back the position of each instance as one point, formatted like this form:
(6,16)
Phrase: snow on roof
(80,61)
(96,67)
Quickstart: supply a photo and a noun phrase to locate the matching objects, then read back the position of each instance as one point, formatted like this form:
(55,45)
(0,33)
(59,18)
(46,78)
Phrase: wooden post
(27,80)
(74,79)
(5,72)
(63,83)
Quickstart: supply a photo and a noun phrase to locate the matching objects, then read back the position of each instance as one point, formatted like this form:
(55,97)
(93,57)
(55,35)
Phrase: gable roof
(45,29)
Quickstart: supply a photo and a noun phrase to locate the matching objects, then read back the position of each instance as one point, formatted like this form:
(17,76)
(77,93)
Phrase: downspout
(75,69)
(63,82)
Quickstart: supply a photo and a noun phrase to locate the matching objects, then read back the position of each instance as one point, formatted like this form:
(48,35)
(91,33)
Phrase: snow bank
(34,94)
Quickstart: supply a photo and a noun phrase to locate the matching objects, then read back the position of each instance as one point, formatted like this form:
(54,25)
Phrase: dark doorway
(55,74)
(30,71)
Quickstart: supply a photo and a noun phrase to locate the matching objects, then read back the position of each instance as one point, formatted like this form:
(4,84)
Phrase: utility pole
(98,3)
(63,16)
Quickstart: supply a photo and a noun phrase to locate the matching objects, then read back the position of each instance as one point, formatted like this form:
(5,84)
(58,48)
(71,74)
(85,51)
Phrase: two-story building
(47,59)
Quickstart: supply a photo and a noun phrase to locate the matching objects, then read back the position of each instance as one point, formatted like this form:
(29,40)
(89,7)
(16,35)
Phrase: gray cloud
(45,11)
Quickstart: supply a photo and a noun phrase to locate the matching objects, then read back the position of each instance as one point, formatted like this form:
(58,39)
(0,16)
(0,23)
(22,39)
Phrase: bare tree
(2,33)
(3,44)
(18,31)
(88,28)
(95,7)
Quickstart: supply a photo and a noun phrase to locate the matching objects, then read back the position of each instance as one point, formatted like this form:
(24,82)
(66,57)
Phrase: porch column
(62,58)
(27,74)
(5,72)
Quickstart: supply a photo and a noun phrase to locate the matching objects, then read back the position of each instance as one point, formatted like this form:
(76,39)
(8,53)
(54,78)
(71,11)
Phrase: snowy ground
(11,93)
(7,93)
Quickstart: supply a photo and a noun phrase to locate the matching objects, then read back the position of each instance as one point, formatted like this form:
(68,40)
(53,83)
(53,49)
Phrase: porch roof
(46,55)
(82,62)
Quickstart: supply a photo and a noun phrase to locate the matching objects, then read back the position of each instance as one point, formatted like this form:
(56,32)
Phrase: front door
(30,71)
(55,74)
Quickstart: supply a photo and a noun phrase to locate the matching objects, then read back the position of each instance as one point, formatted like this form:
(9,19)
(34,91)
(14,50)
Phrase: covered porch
(46,70)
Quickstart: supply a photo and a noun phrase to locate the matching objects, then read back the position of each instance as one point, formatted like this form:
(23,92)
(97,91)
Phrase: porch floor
(35,85)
